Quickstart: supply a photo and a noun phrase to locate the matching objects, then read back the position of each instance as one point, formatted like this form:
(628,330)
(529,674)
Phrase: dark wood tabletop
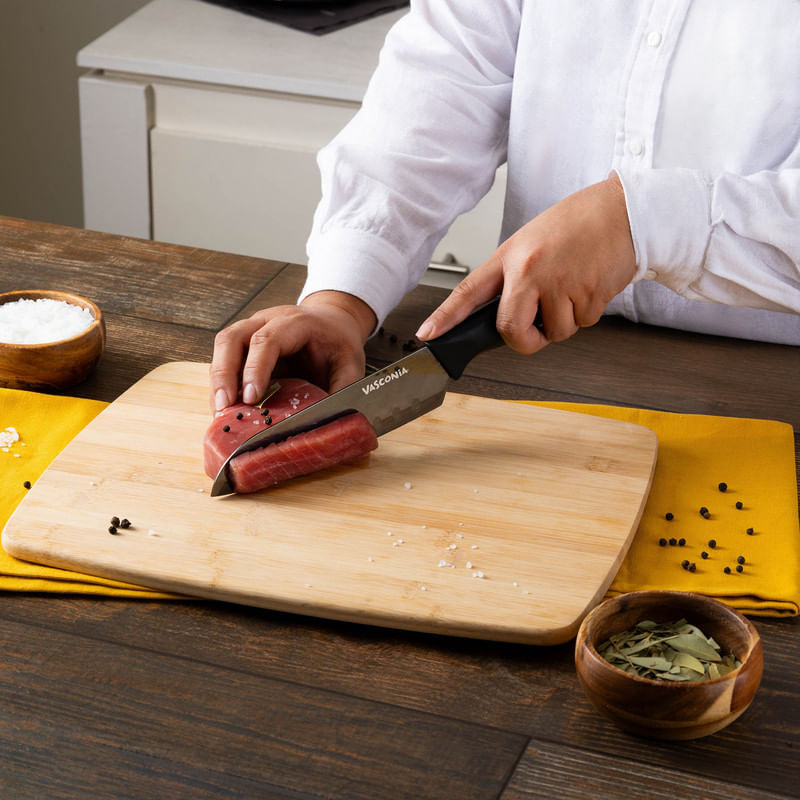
(110,698)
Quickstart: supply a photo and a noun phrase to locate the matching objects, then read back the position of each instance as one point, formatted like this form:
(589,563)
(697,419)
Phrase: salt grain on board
(42,320)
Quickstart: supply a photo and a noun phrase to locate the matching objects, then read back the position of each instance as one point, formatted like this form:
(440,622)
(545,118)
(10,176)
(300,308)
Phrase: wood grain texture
(133,277)
(388,676)
(546,772)
(120,722)
(481,518)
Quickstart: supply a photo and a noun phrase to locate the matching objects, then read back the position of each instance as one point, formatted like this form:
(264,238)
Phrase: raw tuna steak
(342,441)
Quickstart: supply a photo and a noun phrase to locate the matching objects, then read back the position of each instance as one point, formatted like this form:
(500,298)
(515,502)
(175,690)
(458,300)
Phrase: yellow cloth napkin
(755,458)
(45,424)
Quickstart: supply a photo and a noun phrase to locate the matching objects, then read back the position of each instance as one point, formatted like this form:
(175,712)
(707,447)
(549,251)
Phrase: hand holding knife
(393,395)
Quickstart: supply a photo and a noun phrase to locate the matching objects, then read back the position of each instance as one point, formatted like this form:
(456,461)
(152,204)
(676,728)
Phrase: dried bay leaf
(676,651)
(690,662)
(695,644)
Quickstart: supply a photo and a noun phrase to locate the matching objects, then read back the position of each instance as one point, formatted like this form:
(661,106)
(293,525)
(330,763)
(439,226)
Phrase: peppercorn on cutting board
(483,518)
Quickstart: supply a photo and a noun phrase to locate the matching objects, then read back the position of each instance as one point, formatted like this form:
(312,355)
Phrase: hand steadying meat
(572,259)
(321,340)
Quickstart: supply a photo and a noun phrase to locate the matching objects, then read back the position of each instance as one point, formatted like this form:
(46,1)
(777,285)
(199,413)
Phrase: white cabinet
(200,126)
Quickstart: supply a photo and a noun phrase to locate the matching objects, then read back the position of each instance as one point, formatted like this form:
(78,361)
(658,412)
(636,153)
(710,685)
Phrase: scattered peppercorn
(739,568)
(673,542)
(125,523)
(239,415)
(662,542)
(669,516)
(739,505)
(750,531)
(393,339)
(685,563)
(112,529)
(264,412)
(27,484)
(712,543)
(727,570)
(226,428)
(681,542)
(705,513)
(704,554)
(723,487)
(740,560)
(692,567)
(115,521)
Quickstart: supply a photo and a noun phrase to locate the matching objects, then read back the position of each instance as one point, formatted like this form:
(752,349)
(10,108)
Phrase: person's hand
(571,260)
(321,340)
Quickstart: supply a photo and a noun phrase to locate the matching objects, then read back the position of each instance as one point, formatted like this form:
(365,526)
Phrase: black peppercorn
(115,521)
(740,560)
(705,513)
(673,542)
(226,428)
(669,515)
(739,505)
(662,542)
(393,339)
(264,412)
(723,487)
(750,531)
(727,570)
(27,484)
(712,543)
(268,420)
(739,568)
(239,415)
(685,564)
(125,523)
(681,542)
(692,567)
(112,529)
(704,554)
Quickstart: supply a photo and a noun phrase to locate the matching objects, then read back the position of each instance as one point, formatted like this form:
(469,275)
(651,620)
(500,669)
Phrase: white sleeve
(422,149)
(732,239)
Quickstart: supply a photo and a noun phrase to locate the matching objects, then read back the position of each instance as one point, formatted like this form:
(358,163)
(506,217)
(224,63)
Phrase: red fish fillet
(342,441)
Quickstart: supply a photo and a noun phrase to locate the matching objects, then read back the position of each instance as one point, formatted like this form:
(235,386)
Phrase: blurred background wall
(40,166)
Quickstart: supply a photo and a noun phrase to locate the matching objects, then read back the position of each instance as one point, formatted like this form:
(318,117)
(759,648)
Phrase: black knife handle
(472,336)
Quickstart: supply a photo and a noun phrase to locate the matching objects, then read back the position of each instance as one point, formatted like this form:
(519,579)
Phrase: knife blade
(391,396)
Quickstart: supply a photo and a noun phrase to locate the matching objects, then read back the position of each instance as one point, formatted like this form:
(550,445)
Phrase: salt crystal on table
(42,320)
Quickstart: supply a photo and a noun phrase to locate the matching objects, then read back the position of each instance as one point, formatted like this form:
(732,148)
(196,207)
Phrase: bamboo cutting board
(484,518)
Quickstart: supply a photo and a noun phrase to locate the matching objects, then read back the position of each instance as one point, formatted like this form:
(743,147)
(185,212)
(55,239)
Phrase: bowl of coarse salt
(49,340)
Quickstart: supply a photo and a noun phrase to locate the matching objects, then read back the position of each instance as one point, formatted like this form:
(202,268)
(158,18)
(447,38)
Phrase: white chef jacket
(696,105)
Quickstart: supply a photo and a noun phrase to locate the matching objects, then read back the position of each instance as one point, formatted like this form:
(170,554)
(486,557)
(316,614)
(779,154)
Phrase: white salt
(42,320)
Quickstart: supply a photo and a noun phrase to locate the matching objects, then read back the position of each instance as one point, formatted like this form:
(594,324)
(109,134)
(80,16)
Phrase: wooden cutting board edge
(393,618)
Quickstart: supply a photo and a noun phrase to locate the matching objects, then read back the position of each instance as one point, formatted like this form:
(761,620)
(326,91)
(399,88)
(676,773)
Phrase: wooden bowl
(662,709)
(52,366)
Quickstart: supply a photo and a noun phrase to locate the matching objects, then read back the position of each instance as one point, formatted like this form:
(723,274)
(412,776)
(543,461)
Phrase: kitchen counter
(199,699)
(190,40)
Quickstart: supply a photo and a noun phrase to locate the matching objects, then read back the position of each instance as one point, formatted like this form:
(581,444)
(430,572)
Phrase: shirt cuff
(669,211)
(358,263)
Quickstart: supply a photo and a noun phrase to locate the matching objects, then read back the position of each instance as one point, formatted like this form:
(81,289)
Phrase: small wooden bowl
(664,709)
(52,366)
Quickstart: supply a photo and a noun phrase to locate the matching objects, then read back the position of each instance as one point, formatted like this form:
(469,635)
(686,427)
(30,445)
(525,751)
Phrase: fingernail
(425,330)
(249,395)
(220,400)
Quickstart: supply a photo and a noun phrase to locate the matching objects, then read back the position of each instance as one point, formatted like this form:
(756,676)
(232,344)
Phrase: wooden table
(139,699)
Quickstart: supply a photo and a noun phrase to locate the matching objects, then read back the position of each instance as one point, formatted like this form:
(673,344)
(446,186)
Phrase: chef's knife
(391,396)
